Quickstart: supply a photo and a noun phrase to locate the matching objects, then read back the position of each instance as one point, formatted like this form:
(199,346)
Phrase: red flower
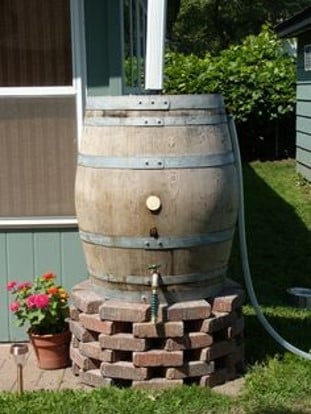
(48,276)
(52,290)
(11,285)
(14,306)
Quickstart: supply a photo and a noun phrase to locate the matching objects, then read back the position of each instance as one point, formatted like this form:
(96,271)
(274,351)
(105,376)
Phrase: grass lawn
(278,219)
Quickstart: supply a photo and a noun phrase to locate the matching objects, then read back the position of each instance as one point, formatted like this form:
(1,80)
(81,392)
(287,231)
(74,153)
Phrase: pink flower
(14,306)
(24,285)
(39,301)
(11,285)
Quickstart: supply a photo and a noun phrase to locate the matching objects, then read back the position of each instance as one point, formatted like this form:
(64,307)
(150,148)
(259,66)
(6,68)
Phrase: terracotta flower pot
(52,351)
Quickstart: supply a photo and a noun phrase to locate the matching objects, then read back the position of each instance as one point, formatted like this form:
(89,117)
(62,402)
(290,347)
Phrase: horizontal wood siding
(303,127)
(304,141)
(303,170)
(25,254)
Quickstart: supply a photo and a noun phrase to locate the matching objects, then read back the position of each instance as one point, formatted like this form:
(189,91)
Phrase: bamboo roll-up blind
(35,43)
(37,156)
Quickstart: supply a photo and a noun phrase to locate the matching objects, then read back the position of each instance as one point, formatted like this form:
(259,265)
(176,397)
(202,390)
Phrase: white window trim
(35,91)
(38,222)
(76,89)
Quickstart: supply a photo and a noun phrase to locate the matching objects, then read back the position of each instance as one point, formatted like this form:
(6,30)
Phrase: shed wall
(303,111)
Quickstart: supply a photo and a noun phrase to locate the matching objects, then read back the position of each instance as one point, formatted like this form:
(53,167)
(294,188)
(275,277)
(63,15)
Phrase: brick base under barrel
(114,342)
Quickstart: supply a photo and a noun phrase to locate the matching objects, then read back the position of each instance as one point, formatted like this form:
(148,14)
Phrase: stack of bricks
(114,342)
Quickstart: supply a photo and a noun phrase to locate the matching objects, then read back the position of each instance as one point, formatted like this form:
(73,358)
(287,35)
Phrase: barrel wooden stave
(195,201)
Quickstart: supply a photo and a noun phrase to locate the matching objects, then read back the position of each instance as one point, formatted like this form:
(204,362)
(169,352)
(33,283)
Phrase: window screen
(307,57)
(37,134)
(35,43)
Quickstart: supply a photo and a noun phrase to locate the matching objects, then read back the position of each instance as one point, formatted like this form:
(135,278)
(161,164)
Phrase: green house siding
(25,254)
(103,38)
(303,111)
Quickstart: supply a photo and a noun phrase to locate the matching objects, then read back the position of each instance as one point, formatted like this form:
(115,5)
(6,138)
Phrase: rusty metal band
(165,280)
(162,243)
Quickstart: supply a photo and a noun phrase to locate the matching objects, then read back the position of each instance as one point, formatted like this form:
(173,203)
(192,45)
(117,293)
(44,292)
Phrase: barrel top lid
(154,102)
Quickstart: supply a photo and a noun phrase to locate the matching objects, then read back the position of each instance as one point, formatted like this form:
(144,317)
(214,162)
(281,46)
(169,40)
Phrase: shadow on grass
(279,246)
(260,345)
(274,410)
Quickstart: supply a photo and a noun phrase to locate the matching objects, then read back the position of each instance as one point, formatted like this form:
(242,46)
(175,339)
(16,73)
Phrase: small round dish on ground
(299,297)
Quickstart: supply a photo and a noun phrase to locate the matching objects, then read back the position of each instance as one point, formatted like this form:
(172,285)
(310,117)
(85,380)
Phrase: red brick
(123,370)
(84,298)
(94,323)
(124,311)
(237,328)
(157,384)
(228,303)
(218,321)
(190,369)
(236,357)
(159,330)
(74,313)
(82,361)
(91,349)
(81,333)
(193,340)
(158,358)
(94,350)
(75,341)
(216,378)
(123,342)
(198,309)
(94,378)
(75,369)
(217,350)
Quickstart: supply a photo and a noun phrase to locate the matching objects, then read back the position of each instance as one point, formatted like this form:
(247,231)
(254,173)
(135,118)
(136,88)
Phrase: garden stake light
(19,353)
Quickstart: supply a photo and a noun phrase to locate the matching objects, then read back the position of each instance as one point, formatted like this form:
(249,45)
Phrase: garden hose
(154,292)
(244,253)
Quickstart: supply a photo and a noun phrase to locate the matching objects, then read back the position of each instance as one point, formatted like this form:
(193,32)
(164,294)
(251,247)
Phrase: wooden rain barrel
(156,183)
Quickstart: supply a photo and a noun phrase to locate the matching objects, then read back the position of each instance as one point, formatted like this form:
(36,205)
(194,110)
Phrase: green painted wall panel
(73,264)
(20,258)
(47,252)
(25,254)
(103,47)
(304,140)
(4,300)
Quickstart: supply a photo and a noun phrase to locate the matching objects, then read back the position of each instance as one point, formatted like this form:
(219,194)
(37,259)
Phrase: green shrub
(255,77)
(257,80)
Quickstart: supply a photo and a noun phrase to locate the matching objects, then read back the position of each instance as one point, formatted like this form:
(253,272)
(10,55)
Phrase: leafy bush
(256,78)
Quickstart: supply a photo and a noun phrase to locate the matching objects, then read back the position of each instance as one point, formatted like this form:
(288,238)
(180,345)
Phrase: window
(134,29)
(307,57)
(37,109)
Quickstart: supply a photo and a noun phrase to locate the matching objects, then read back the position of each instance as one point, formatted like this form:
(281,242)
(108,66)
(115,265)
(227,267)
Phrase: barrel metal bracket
(162,243)
(146,162)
